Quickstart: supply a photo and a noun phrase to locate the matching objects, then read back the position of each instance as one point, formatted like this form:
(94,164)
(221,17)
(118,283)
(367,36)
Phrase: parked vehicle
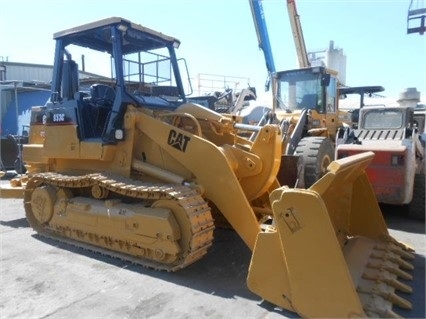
(11,153)
(305,104)
(397,172)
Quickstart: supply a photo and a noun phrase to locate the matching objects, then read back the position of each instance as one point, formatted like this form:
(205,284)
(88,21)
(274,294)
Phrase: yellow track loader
(122,164)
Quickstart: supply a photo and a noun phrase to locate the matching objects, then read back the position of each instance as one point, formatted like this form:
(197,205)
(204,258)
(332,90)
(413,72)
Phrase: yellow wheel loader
(120,163)
(307,110)
(305,105)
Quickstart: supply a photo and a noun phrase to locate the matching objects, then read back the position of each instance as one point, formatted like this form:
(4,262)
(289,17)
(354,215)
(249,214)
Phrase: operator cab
(361,92)
(309,88)
(122,64)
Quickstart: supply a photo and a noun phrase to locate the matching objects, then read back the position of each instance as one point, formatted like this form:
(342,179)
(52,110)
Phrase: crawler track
(189,240)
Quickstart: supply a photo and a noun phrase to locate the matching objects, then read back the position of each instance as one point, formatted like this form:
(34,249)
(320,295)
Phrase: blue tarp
(9,123)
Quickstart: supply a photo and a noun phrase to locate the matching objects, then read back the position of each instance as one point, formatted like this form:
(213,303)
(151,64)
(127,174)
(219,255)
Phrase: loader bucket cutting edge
(317,260)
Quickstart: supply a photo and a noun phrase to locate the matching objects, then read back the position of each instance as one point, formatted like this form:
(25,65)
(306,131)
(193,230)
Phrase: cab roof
(371,89)
(97,36)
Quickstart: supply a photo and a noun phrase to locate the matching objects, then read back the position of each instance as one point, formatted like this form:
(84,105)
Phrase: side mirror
(325,80)
(267,83)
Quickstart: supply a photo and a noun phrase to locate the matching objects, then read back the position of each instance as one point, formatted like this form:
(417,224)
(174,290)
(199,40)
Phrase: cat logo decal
(178,140)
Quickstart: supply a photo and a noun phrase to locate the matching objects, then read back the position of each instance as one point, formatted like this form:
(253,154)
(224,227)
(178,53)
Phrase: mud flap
(329,253)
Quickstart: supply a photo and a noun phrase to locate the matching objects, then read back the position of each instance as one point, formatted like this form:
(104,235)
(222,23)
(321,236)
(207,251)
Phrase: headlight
(119,135)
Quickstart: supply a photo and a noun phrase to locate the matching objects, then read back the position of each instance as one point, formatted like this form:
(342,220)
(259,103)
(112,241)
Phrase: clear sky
(218,36)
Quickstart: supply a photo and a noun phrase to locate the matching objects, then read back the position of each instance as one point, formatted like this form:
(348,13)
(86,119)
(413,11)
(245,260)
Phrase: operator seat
(102,95)
(309,101)
(102,100)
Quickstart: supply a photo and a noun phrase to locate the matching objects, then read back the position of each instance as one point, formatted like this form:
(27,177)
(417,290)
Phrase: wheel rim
(326,160)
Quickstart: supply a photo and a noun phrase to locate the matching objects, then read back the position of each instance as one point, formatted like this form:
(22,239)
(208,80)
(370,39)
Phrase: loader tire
(416,209)
(317,153)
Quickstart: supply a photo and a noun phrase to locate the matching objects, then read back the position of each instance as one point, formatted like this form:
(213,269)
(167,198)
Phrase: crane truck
(128,168)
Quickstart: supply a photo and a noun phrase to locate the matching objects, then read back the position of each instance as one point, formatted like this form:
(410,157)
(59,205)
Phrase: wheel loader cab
(305,89)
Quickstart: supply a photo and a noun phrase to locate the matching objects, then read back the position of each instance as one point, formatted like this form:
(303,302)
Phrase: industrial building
(22,86)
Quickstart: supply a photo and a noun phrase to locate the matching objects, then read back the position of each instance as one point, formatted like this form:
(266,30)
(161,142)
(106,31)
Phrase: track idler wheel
(99,192)
(42,203)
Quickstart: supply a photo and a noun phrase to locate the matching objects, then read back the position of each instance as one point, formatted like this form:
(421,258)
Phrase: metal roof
(361,89)
(97,36)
